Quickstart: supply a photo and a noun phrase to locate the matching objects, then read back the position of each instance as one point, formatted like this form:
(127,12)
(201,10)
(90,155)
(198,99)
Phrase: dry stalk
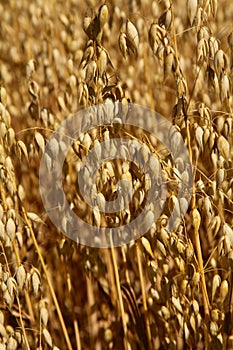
(77,335)
(111,274)
(92,318)
(175,59)
(142,284)
(120,299)
(53,294)
(197,244)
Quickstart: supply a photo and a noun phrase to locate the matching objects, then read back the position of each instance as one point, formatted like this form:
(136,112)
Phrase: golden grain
(178,61)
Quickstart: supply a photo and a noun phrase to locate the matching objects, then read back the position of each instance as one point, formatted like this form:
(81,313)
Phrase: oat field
(171,288)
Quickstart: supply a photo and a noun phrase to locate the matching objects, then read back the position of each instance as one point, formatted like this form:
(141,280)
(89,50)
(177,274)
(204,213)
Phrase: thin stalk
(142,283)
(120,298)
(201,270)
(109,265)
(77,335)
(53,294)
(206,302)
(124,260)
(40,334)
(71,296)
(174,33)
(92,317)
(21,322)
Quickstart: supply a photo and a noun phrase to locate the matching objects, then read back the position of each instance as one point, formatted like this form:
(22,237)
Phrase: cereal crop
(171,288)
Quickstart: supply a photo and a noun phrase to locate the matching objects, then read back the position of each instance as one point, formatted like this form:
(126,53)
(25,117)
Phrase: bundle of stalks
(169,289)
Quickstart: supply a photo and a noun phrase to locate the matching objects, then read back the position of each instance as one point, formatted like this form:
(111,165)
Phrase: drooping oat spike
(100,201)
(35,282)
(160,246)
(223,147)
(214,328)
(96,217)
(30,68)
(87,142)
(62,104)
(220,62)
(192,10)
(147,246)
(87,26)
(220,176)
(3,95)
(173,205)
(168,62)
(224,87)
(224,288)
(102,62)
(47,337)
(33,89)
(20,276)
(11,285)
(203,33)
(12,343)
(177,304)
(213,46)
(88,54)
(196,219)
(92,28)
(132,37)
(91,71)
(202,49)
(108,336)
(44,316)
(165,19)
(72,83)
(153,37)
(10,137)
(103,15)
(214,7)
(40,141)
(215,225)
(123,44)
(64,20)
(228,232)
(199,136)
(11,228)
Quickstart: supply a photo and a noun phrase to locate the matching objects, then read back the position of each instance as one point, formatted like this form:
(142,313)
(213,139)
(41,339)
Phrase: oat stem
(53,294)
(111,274)
(125,261)
(92,318)
(142,283)
(197,245)
(77,335)
(120,299)
(201,270)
